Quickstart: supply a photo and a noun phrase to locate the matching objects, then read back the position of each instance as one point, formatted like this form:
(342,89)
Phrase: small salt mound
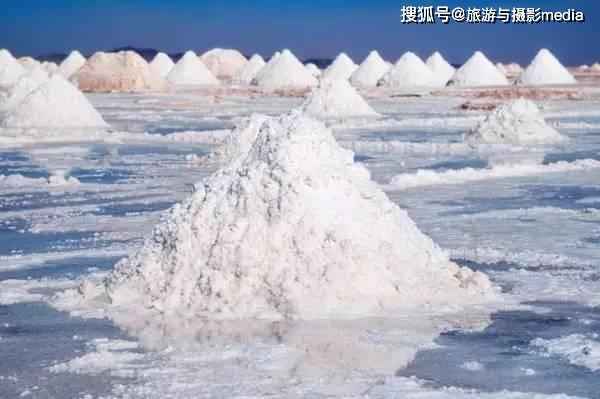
(313,69)
(595,67)
(71,64)
(28,63)
(10,69)
(336,98)
(516,122)
(370,71)
(290,228)
(54,104)
(249,71)
(478,71)
(409,71)
(224,63)
(267,68)
(50,67)
(161,65)
(20,90)
(189,70)
(442,70)
(341,68)
(124,71)
(545,69)
(284,72)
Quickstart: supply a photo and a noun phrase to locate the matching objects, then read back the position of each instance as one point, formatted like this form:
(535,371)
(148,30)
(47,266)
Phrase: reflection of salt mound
(71,64)
(189,70)
(249,71)
(335,98)
(517,122)
(285,71)
(478,71)
(442,70)
(313,69)
(370,71)
(224,63)
(161,65)
(290,228)
(409,71)
(20,90)
(10,69)
(545,69)
(54,104)
(124,71)
(341,68)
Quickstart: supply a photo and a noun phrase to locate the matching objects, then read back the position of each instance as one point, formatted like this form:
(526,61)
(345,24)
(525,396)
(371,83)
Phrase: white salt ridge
(10,69)
(336,99)
(189,70)
(313,69)
(161,65)
(50,67)
(370,71)
(29,63)
(267,68)
(250,70)
(341,68)
(478,71)
(545,69)
(442,70)
(578,349)
(285,71)
(409,71)
(516,122)
(24,86)
(71,64)
(224,63)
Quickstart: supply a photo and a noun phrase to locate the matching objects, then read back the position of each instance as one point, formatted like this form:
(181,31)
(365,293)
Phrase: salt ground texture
(370,71)
(72,64)
(578,349)
(250,70)
(224,63)
(545,69)
(313,69)
(478,71)
(409,71)
(284,72)
(189,70)
(442,70)
(342,67)
(28,63)
(10,69)
(161,65)
(337,99)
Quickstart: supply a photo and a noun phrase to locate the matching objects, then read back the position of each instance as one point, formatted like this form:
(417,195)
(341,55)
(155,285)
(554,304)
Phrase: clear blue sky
(309,28)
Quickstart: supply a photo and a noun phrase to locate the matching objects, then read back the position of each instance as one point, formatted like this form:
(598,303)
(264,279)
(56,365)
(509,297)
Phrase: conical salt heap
(10,69)
(313,69)
(478,71)
(545,69)
(224,63)
(370,71)
(161,65)
(250,70)
(124,71)
(336,99)
(292,228)
(442,70)
(516,122)
(72,64)
(409,71)
(341,68)
(285,72)
(189,70)
(19,91)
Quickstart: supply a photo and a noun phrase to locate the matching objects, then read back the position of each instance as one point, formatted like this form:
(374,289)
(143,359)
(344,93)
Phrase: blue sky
(309,28)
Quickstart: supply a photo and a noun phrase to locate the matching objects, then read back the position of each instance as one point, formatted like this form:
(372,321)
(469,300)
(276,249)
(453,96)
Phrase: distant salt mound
(161,65)
(124,71)
(441,69)
(516,122)
(509,70)
(50,67)
(478,71)
(284,72)
(28,63)
(10,69)
(409,71)
(291,228)
(313,69)
(250,70)
(224,63)
(545,69)
(54,104)
(341,68)
(189,70)
(336,99)
(595,67)
(72,64)
(372,69)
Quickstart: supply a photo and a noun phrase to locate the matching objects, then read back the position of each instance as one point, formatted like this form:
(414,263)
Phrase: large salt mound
(545,69)
(124,71)
(336,98)
(370,71)
(442,70)
(20,90)
(50,67)
(313,69)
(161,65)
(284,72)
(341,68)
(224,63)
(10,69)
(189,70)
(290,228)
(478,71)
(28,63)
(409,71)
(250,70)
(54,104)
(516,122)
(71,64)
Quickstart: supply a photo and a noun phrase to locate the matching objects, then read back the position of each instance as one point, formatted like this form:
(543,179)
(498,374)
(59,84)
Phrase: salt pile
(313,69)
(285,71)
(224,63)
(161,65)
(28,63)
(71,64)
(409,71)
(341,68)
(50,67)
(124,71)
(336,98)
(370,71)
(290,228)
(442,70)
(545,69)
(54,104)
(189,70)
(10,69)
(20,90)
(595,67)
(516,122)
(249,71)
(478,71)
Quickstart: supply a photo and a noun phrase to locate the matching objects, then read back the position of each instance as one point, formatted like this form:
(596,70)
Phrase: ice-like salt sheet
(56,180)
(19,291)
(577,349)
